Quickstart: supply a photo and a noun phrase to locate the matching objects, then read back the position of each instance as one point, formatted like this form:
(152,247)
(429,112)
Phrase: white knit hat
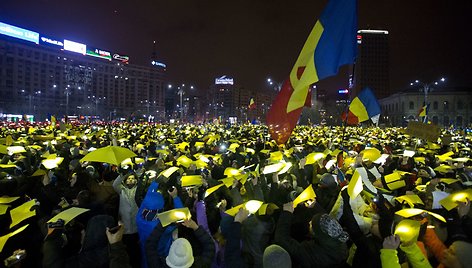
(180,254)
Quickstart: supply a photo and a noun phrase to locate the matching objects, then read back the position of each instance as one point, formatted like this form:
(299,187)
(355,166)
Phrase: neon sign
(19,33)
(121,58)
(102,54)
(224,80)
(75,47)
(160,64)
(49,41)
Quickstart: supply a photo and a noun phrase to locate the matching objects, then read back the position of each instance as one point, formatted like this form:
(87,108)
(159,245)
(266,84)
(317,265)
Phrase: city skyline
(251,41)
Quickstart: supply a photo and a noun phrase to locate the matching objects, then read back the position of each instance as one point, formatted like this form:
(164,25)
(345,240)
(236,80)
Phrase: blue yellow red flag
(423,111)
(252,104)
(364,107)
(331,44)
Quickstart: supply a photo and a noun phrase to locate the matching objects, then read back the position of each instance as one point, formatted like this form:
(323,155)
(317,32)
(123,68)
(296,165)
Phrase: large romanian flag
(331,44)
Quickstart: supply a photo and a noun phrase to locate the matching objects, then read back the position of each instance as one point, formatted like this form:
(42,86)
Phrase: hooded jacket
(322,251)
(128,208)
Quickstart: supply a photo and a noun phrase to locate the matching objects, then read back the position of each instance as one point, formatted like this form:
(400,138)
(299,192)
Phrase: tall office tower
(372,66)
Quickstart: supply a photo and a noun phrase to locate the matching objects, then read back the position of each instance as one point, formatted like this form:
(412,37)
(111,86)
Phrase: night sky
(252,39)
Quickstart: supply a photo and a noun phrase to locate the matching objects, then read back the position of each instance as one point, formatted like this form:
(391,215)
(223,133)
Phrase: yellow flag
(7,199)
(22,212)
(192,180)
(174,215)
(410,199)
(307,194)
(168,172)
(5,238)
(408,230)
(211,190)
(355,187)
(252,206)
(69,214)
(451,201)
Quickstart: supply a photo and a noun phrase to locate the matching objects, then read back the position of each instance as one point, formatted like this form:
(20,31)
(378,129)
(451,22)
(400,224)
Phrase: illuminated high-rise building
(41,76)
(372,65)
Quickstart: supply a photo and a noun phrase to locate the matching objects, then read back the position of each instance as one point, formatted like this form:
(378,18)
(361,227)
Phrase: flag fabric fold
(423,111)
(363,107)
(252,104)
(331,44)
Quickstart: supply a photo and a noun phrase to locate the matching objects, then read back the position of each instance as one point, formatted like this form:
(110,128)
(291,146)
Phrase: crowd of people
(329,197)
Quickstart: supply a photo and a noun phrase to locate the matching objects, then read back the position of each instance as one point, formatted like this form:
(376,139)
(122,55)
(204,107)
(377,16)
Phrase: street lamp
(181,92)
(30,99)
(67,92)
(277,86)
(427,88)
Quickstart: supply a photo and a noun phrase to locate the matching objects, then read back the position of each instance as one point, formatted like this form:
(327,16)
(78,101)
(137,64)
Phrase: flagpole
(346,112)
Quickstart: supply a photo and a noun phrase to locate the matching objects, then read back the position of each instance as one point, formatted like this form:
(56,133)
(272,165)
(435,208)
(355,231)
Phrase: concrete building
(43,76)
(229,101)
(448,106)
(372,65)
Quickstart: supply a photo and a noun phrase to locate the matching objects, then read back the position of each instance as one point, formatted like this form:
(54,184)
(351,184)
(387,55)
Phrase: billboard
(19,33)
(122,58)
(159,64)
(95,52)
(224,81)
(51,42)
(75,47)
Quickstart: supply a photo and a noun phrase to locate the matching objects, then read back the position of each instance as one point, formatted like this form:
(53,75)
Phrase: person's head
(276,256)
(180,254)
(462,251)
(83,197)
(324,227)
(90,170)
(73,179)
(130,181)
